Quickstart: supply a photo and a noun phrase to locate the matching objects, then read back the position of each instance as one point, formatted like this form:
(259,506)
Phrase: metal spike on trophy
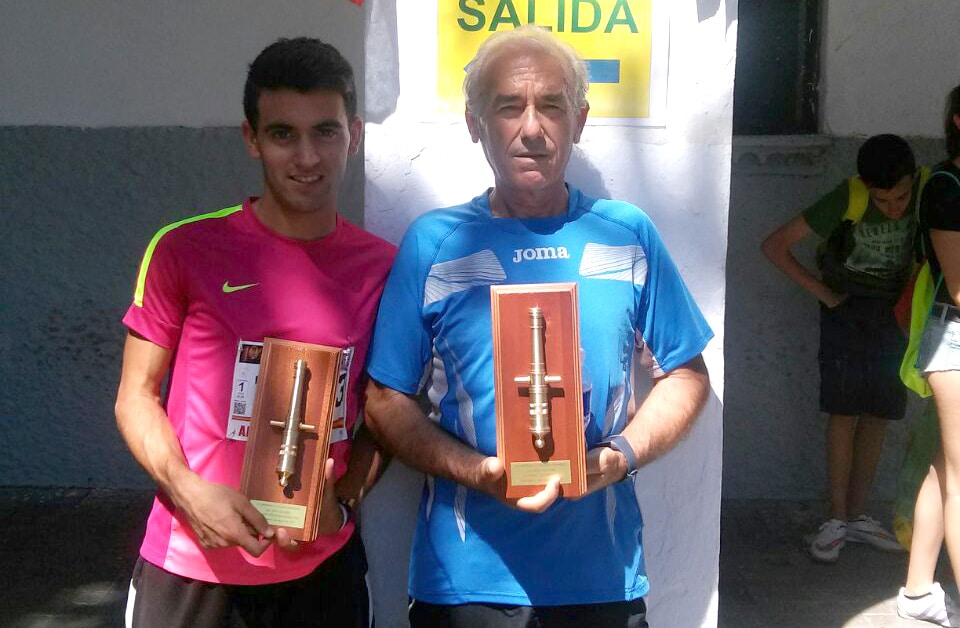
(292,426)
(538,382)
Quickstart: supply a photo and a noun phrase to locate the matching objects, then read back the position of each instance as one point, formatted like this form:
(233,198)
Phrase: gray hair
(527,37)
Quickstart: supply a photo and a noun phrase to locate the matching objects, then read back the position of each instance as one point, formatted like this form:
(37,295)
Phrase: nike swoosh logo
(227,288)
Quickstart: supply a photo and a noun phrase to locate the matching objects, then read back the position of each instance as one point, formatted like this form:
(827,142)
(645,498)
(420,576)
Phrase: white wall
(887,65)
(144,63)
(679,174)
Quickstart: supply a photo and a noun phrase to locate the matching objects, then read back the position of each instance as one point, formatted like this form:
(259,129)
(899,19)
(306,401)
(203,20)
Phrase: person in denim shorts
(937,511)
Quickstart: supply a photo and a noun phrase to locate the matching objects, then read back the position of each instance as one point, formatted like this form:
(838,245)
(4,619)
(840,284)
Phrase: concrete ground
(768,579)
(67,556)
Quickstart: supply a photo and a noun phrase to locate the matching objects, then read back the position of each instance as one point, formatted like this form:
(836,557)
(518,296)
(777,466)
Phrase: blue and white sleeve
(670,328)
(401,343)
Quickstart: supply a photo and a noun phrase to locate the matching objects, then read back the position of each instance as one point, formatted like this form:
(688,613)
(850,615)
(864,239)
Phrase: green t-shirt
(876,253)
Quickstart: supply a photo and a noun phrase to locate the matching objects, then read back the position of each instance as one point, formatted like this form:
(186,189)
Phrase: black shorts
(334,594)
(631,614)
(861,347)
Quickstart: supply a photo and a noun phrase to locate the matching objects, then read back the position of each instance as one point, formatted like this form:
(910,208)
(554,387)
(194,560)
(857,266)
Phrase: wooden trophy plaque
(539,393)
(290,434)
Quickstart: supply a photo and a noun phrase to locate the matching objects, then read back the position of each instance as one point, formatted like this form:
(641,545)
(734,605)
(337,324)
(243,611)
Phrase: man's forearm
(405,432)
(367,463)
(669,411)
(219,515)
(777,248)
(150,437)
(141,418)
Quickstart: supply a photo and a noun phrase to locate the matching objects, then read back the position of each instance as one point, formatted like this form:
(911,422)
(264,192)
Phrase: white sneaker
(831,538)
(867,530)
(935,607)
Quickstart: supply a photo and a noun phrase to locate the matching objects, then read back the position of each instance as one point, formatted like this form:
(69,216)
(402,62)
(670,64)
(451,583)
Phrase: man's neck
(543,203)
(297,225)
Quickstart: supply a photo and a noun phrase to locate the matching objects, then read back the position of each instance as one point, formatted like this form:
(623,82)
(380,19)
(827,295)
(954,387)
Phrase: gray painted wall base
(78,208)
(773,433)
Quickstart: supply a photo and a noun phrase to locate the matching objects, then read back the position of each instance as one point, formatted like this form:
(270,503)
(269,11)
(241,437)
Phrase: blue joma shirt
(434,331)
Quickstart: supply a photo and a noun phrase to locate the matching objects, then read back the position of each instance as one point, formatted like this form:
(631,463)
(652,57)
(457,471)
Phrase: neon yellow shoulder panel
(858,200)
(924,175)
(145,264)
(924,291)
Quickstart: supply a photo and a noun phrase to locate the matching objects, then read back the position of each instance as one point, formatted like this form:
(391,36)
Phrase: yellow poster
(614,37)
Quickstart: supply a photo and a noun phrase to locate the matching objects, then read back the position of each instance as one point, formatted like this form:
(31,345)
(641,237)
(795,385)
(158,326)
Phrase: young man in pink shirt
(209,289)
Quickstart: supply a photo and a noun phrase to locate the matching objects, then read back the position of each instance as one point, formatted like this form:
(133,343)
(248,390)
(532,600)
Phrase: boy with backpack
(868,227)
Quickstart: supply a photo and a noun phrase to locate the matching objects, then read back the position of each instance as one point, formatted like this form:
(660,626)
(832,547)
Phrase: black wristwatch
(619,442)
(345,510)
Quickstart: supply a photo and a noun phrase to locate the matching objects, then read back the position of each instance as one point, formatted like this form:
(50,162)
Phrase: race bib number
(246,368)
(339,430)
(245,371)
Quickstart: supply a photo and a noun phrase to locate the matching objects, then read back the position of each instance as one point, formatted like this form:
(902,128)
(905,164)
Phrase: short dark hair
(885,159)
(302,63)
(950,130)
